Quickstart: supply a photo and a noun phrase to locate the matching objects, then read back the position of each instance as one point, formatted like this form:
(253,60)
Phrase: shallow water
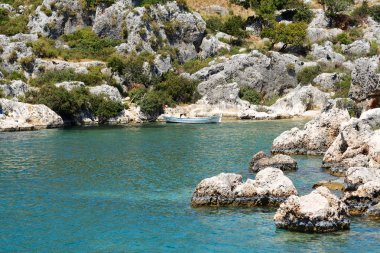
(128,190)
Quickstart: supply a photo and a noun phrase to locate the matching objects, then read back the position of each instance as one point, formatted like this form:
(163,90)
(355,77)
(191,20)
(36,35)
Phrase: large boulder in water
(361,200)
(270,188)
(317,135)
(261,161)
(320,211)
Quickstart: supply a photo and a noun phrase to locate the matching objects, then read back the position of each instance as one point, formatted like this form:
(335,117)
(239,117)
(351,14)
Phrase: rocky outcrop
(357,176)
(365,79)
(373,212)
(318,212)
(327,81)
(317,135)
(318,28)
(54,18)
(359,47)
(107,90)
(366,196)
(300,100)
(324,54)
(151,28)
(14,89)
(43,65)
(70,85)
(372,31)
(270,188)
(21,116)
(261,161)
(271,74)
(356,145)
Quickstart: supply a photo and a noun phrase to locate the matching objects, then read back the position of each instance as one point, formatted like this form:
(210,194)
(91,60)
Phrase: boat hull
(204,120)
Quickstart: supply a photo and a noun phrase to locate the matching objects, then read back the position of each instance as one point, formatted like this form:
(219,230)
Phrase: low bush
(153,103)
(342,88)
(11,25)
(194,65)
(2,95)
(137,93)
(44,48)
(343,38)
(233,25)
(303,14)
(374,49)
(307,75)
(250,94)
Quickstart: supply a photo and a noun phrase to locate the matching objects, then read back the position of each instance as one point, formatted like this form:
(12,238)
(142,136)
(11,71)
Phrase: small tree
(292,34)
(333,7)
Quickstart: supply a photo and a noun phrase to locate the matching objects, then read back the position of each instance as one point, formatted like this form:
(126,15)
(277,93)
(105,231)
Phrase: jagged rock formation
(270,188)
(327,81)
(356,145)
(21,116)
(107,90)
(317,135)
(365,79)
(359,47)
(14,89)
(318,28)
(325,54)
(261,161)
(320,211)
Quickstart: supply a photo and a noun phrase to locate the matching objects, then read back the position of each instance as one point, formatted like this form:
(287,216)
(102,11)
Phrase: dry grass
(200,6)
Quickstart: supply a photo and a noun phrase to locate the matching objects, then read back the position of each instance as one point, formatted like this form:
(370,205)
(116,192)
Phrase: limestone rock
(44,65)
(325,54)
(271,187)
(316,137)
(365,79)
(261,161)
(300,100)
(372,32)
(211,46)
(374,211)
(356,176)
(22,116)
(359,47)
(70,85)
(366,196)
(14,89)
(320,211)
(110,91)
(328,80)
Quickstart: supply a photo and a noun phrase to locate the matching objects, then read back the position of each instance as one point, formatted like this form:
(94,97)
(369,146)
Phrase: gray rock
(70,85)
(216,9)
(110,91)
(356,176)
(270,188)
(317,135)
(21,116)
(261,161)
(14,89)
(372,32)
(359,47)
(366,196)
(328,80)
(214,93)
(374,212)
(211,46)
(365,79)
(318,212)
(325,54)
(42,65)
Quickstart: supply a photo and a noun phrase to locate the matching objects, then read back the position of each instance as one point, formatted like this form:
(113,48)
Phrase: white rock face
(328,80)
(320,211)
(356,176)
(271,187)
(300,100)
(70,85)
(42,65)
(211,46)
(372,32)
(14,89)
(359,47)
(110,91)
(21,116)
(316,137)
(261,161)
(365,79)
(318,28)
(356,145)
(325,54)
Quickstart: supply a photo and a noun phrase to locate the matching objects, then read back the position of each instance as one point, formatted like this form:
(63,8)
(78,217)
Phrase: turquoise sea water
(128,190)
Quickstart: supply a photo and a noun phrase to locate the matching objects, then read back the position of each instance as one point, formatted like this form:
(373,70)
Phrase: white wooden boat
(196,120)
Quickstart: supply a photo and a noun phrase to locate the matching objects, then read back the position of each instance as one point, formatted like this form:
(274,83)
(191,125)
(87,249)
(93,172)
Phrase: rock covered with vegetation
(261,161)
(319,212)
(270,188)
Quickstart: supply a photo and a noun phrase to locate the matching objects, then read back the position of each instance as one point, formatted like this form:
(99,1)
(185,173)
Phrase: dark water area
(129,189)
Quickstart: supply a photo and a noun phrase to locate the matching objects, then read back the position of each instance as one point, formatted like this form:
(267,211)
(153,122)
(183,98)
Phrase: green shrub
(234,26)
(250,94)
(27,63)
(153,103)
(215,23)
(180,89)
(271,100)
(375,12)
(342,88)
(104,108)
(44,48)
(343,38)
(2,95)
(12,75)
(307,75)
(11,25)
(362,11)
(194,65)
(304,14)
(136,94)
(333,7)
(292,34)
(353,109)
(374,49)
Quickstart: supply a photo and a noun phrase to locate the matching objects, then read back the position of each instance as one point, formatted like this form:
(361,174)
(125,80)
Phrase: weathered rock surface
(328,80)
(324,54)
(332,185)
(365,79)
(317,135)
(366,196)
(261,161)
(54,18)
(43,65)
(356,145)
(372,31)
(21,116)
(14,89)
(318,28)
(70,85)
(374,211)
(110,91)
(270,188)
(357,176)
(320,211)
(359,47)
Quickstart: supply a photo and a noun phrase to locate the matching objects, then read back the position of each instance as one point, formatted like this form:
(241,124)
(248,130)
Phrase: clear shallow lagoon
(128,190)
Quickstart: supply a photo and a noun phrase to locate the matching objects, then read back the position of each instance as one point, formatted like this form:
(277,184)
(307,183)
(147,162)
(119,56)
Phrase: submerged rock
(320,211)
(22,116)
(270,188)
(333,185)
(261,161)
(316,137)
(374,212)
